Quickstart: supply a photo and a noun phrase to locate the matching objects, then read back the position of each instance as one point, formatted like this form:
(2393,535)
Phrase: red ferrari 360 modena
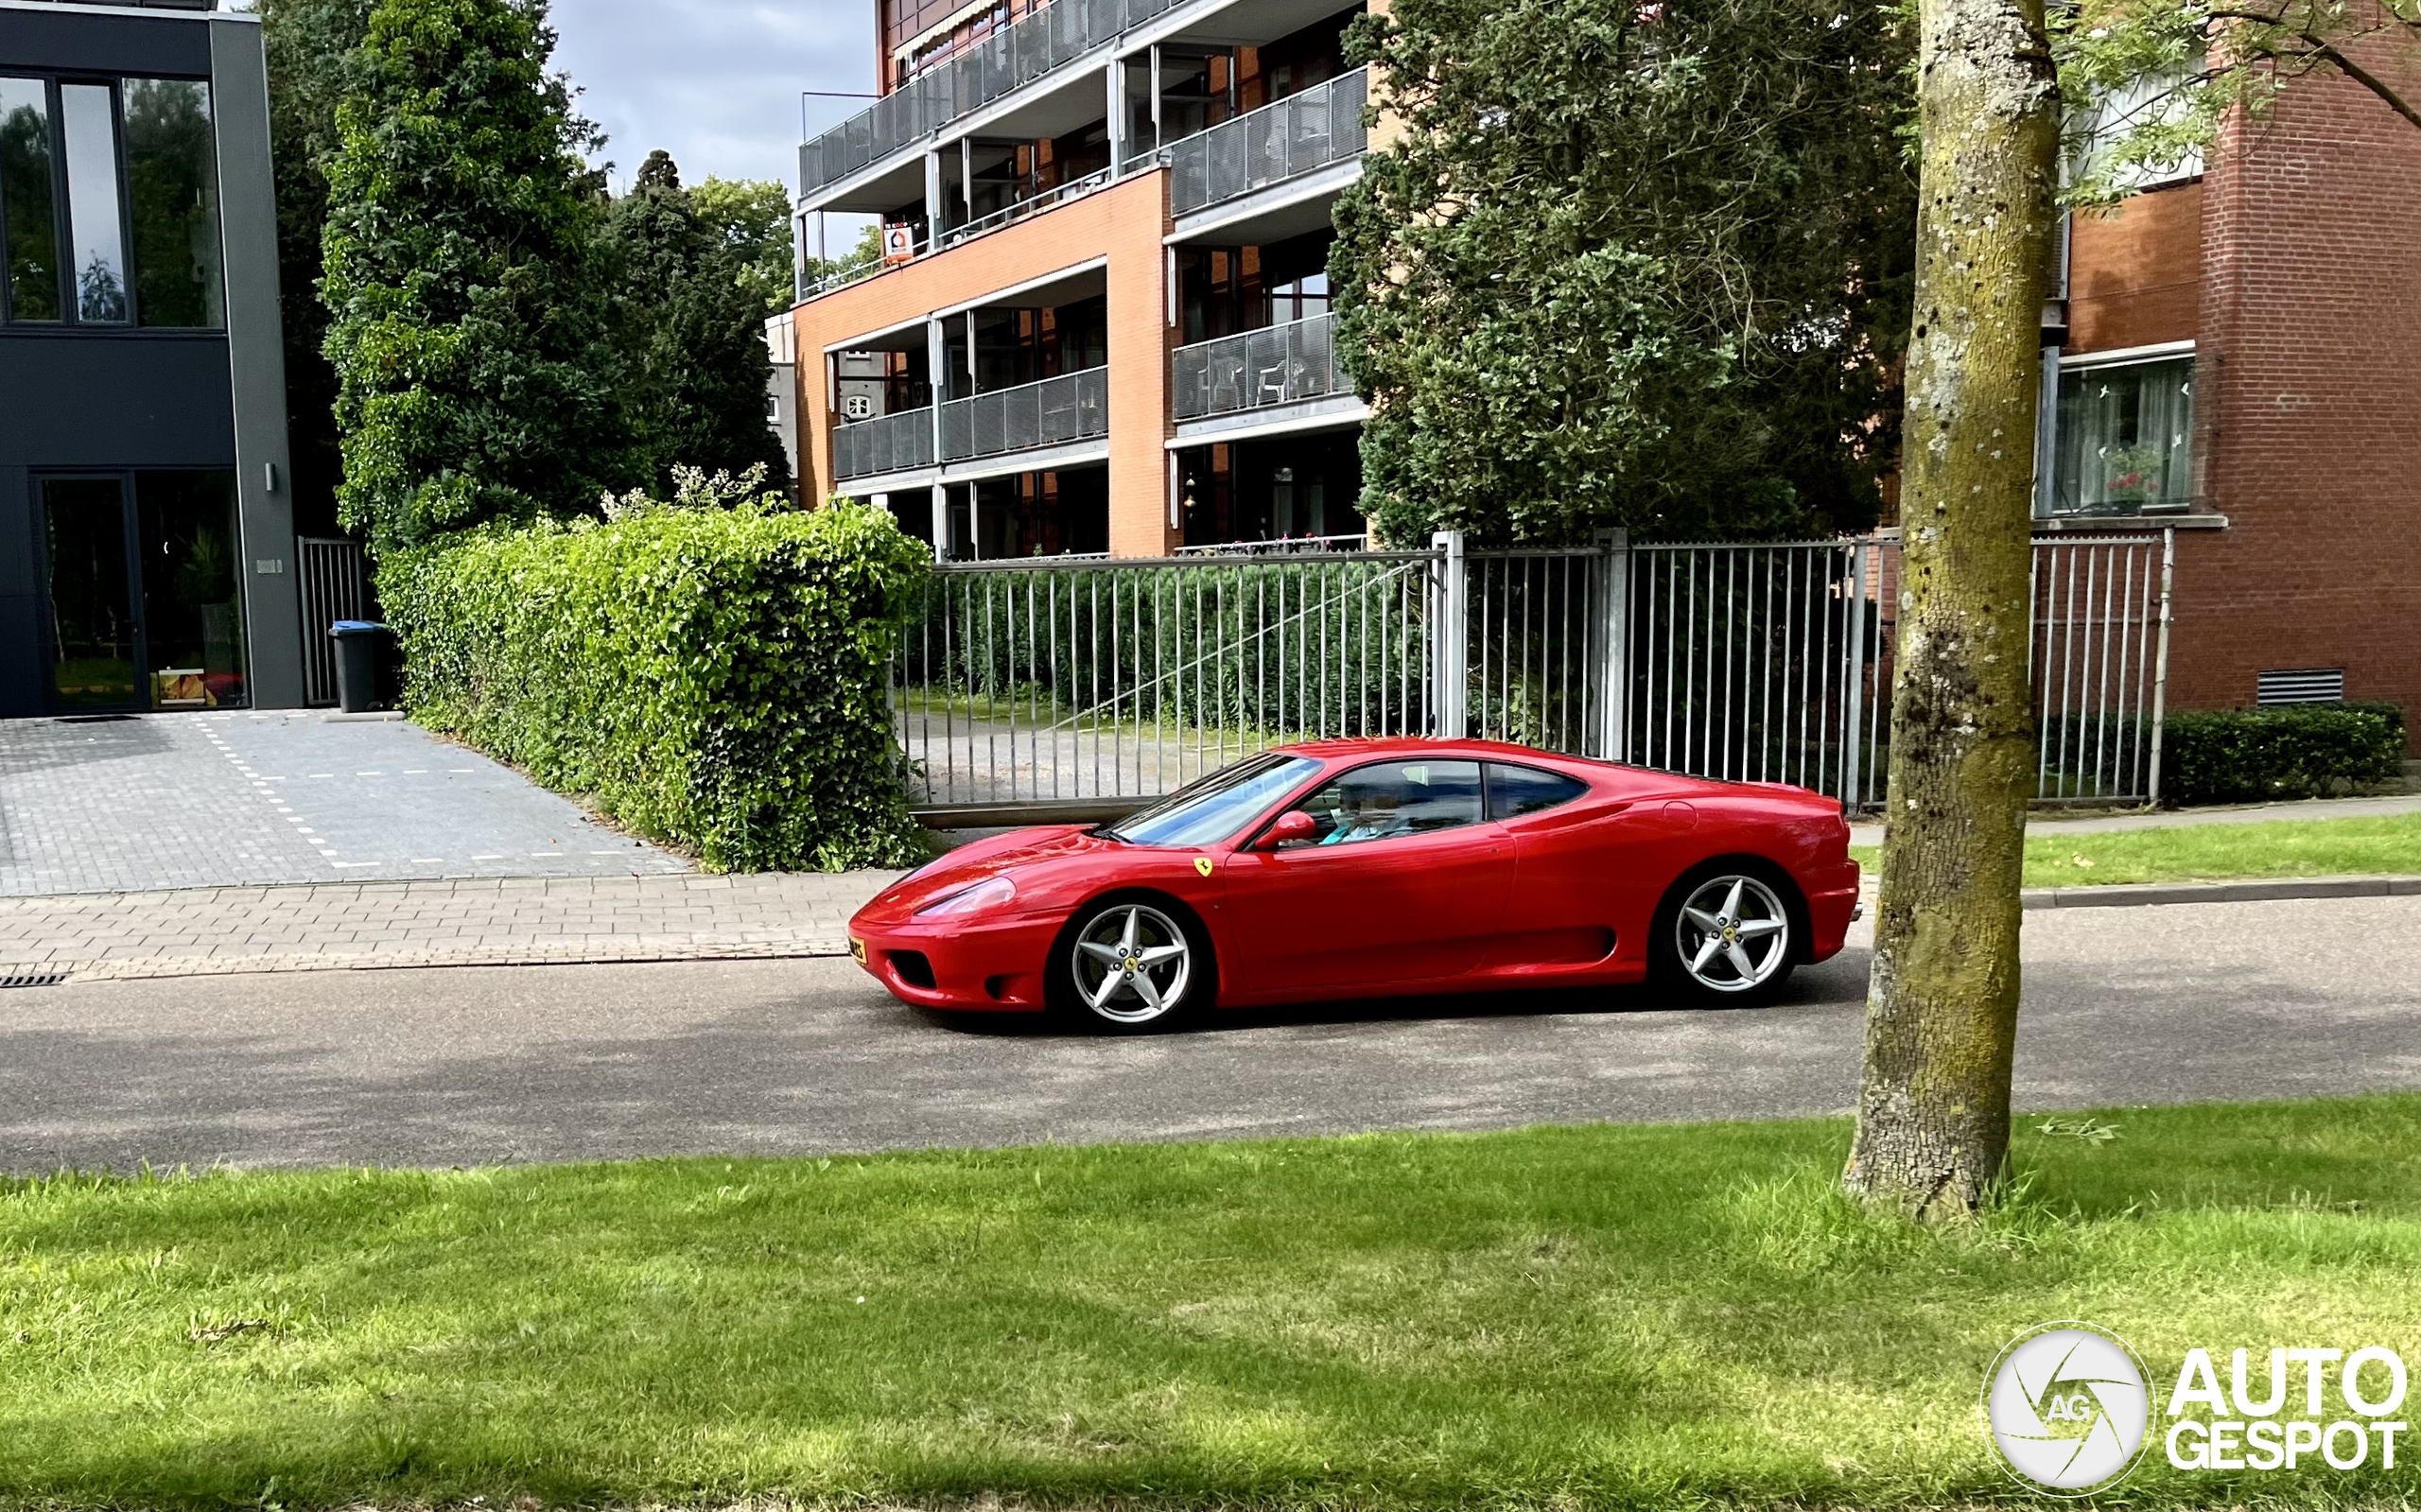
(1355,868)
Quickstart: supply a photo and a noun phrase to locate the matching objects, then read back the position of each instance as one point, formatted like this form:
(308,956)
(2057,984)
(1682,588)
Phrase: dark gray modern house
(146,533)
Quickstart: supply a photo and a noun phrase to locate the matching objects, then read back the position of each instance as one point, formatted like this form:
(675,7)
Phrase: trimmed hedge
(713,678)
(2297,750)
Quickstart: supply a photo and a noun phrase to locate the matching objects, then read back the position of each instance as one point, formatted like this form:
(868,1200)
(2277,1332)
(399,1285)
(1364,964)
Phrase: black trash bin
(356,664)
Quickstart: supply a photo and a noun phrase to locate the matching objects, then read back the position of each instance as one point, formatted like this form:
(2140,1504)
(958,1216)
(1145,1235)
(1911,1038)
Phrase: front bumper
(980,965)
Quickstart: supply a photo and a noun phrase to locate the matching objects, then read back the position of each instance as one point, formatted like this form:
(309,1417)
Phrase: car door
(1407,881)
(1588,868)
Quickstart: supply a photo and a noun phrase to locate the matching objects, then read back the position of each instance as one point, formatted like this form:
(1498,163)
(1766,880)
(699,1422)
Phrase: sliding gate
(1088,684)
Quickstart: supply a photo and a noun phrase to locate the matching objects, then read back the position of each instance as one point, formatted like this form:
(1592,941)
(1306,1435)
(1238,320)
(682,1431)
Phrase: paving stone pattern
(230,798)
(491,921)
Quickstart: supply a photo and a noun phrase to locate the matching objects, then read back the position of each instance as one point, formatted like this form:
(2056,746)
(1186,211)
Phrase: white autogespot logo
(2066,1407)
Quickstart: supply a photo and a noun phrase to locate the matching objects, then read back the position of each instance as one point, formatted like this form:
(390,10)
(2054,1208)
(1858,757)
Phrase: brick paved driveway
(237,798)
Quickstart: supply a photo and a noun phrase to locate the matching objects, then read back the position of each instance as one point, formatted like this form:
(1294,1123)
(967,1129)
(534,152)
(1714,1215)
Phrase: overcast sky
(714,82)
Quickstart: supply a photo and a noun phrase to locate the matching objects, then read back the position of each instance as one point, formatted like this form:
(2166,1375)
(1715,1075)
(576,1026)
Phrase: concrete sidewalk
(486,921)
(2255,813)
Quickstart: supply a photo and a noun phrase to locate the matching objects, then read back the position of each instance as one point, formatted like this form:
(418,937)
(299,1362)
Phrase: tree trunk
(1941,1005)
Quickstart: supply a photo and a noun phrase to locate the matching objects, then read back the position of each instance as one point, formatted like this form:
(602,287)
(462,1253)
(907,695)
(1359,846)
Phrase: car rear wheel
(1727,935)
(1132,965)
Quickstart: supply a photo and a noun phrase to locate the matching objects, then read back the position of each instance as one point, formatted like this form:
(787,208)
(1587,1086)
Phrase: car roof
(1357,747)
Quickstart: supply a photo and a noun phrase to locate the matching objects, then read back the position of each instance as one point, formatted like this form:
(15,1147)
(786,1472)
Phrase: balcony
(888,443)
(1259,370)
(1042,42)
(1282,139)
(1071,408)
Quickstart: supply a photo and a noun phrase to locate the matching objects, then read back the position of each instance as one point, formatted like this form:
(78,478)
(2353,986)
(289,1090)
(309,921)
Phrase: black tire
(1144,992)
(1743,894)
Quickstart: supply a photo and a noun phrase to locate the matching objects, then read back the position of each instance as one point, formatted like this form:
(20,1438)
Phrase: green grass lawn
(1634,1316)
(2287,847)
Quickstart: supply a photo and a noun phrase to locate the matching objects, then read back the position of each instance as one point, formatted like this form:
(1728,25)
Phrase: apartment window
(109,203)
(2126,438)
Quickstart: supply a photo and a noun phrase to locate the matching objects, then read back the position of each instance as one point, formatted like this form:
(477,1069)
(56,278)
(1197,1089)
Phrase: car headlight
(988,893)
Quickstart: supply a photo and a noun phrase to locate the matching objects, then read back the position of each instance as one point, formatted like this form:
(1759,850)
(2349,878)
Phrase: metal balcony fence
(1254,369)
(1072,406)
(1042,42)
(886,444)
(1282,139)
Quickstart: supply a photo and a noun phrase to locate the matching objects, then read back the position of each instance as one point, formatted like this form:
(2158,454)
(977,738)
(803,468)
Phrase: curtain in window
(2126,438)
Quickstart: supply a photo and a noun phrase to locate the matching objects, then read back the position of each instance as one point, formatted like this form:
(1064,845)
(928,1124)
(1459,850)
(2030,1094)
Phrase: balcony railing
(1279,141)
(887,443)
(1255,370)
(1072,406)
(1032,205)
(1041,42)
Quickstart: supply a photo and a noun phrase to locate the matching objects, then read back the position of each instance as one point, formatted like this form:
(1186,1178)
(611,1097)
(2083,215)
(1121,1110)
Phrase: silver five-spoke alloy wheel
(1132,964)
(1732,934)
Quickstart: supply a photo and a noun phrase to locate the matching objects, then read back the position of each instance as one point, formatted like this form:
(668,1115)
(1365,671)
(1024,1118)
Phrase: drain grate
(94,719)
(32,979)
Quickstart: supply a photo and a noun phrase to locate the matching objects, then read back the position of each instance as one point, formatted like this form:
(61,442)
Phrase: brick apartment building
(1107,327)
(2241,355)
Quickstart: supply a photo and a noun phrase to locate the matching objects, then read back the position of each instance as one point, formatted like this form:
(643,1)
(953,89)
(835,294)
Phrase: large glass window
(95,229)
(25,199)
(2126,438)
(172,191)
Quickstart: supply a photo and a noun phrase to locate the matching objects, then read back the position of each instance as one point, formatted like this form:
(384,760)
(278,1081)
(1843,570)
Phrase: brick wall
(1122,224)
(2135,275)
(2308,390)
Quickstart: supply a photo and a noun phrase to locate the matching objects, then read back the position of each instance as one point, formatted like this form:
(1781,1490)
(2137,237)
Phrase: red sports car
(1358,868)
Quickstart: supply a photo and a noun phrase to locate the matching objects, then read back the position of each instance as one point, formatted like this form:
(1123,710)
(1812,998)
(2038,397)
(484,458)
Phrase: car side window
(1513,791)
(1391,798)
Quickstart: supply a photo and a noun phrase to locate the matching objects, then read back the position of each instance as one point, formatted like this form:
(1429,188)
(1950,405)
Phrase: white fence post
(2160,672)
(1450,639)
(1613,660)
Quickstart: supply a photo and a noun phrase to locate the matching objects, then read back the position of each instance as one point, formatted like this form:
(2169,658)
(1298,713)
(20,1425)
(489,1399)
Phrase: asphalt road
(563,1062)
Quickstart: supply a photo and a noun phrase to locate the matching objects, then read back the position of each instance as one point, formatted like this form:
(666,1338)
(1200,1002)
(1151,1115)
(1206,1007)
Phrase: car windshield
(1213,808)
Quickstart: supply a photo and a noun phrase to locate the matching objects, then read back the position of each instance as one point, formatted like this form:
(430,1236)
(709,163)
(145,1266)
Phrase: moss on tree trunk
(1942,1008)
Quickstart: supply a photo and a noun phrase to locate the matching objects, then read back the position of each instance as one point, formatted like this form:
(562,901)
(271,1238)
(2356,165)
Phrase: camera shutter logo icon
(2066,1408)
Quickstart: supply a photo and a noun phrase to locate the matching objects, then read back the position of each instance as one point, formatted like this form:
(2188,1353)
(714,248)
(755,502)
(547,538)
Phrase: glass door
(144,612)
(96,644)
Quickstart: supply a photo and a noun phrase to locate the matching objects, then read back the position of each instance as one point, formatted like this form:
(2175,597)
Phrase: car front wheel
(1130,965)
(1725,935)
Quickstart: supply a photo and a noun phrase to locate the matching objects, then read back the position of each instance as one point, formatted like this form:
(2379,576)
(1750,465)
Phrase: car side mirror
(1293,828)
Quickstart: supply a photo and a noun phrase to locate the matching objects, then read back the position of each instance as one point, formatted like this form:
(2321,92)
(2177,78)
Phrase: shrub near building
(711,677)
(2301,751)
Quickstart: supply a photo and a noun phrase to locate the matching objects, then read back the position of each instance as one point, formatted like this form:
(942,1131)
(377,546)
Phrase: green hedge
(2299,750)
(713,678)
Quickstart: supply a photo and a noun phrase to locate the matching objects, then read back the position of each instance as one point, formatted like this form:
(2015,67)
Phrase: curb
(2137,895)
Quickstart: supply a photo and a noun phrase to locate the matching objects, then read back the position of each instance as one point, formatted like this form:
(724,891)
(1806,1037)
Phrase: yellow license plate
(857,950)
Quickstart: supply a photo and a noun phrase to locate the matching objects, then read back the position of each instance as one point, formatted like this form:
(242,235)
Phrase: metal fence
(1252,370)
(1072,406)
(1058,34)
(336,585)
(885,443)
(1027,682)
(1280,140)
(1032,682)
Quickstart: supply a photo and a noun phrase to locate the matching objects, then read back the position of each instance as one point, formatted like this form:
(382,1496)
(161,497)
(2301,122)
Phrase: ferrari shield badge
(1202,864)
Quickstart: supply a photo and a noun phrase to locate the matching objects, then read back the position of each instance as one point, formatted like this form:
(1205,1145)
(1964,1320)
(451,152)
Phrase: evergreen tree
(1636,264)
(466,311)
(310,45)
(689,324)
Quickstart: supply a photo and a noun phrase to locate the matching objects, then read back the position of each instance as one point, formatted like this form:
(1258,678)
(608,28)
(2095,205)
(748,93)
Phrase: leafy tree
(1639,265)
(466,311)
(310,45)
(751,219)
(1941,1004)
(2167,72)
(690,323)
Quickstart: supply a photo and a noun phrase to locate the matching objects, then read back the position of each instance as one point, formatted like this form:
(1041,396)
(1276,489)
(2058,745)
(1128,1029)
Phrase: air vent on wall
(2311,685)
